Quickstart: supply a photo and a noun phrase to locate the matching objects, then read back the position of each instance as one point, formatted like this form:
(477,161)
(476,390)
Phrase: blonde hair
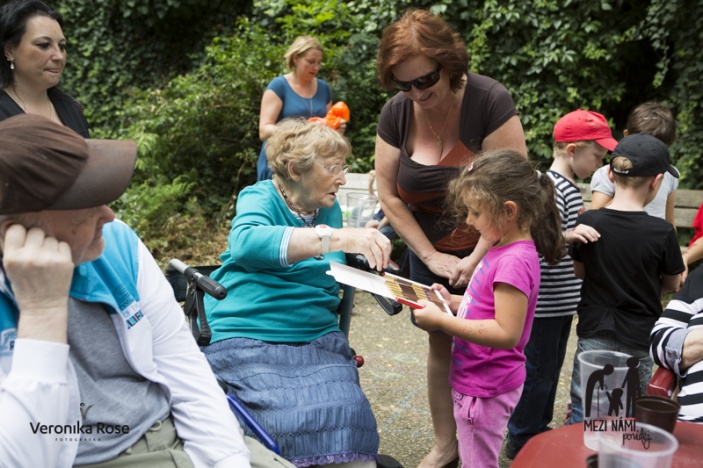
(299,141)
(559,148)
(300,45)
(621,163)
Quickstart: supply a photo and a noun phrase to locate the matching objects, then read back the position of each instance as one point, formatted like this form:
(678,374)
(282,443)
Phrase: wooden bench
(687,201)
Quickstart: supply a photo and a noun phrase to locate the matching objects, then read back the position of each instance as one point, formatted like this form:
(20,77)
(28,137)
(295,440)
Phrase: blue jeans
(605,341)
(545,355)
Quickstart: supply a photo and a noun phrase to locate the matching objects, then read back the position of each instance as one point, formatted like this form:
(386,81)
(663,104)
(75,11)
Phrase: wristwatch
(324,232)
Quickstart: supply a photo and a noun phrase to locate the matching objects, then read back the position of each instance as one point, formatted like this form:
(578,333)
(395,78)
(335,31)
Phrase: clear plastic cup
(645,446)
(604,391)
(360,209)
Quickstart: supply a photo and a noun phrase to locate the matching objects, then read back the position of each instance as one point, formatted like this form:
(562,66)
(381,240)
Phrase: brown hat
(46,166)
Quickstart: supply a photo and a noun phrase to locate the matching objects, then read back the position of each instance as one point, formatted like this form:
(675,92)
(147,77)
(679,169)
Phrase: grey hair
(299,141)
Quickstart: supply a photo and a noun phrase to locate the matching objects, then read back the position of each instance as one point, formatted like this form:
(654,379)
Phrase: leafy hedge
(145,72)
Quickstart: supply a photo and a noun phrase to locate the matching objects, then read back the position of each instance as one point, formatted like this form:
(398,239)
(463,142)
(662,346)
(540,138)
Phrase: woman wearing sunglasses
(276,340)
(442,117)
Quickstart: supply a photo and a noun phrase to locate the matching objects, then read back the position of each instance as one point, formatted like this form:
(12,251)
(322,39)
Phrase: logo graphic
(84,410)
(629,388)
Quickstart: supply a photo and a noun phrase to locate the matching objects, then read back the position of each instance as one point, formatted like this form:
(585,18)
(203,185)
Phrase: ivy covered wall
(185,77)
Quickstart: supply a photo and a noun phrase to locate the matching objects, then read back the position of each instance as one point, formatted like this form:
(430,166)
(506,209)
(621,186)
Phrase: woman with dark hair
(34,47)
(442,117)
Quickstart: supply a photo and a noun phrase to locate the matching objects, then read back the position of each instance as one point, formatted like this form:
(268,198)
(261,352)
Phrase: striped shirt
(683,314)
(560,290)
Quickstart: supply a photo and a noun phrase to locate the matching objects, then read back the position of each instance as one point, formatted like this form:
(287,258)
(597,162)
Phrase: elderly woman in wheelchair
(275,338)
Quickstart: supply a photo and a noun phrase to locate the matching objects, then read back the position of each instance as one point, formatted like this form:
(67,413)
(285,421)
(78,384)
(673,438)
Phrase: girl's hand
(429,317)
(442,264)
(446,295)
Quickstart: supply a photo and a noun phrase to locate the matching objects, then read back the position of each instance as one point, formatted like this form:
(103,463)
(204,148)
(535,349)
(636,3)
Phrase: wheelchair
(190,284)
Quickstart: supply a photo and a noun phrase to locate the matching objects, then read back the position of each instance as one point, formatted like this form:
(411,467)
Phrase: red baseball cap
(581,125)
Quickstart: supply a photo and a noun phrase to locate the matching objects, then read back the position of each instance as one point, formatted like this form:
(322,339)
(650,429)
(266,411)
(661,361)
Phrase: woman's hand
(369,242)
(463,272)
(442,264)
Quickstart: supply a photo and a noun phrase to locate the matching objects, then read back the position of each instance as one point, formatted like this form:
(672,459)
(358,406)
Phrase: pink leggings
(481,424)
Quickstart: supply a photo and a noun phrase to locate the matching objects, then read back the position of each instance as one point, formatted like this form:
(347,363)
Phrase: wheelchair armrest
(190,284)
(663,383)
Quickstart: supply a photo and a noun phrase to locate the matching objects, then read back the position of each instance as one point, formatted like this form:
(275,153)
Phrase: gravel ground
(394,379)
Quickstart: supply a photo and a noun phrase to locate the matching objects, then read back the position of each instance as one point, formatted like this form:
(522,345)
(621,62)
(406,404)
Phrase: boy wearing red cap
(625,273)
(581,140)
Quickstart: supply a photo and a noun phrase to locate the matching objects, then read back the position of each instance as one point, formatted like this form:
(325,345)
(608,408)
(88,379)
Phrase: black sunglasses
(423,82)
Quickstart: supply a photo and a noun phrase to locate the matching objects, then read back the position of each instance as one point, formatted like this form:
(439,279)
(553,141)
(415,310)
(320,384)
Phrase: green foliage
(203,126)
(148,209)
(118,46)
(185,77)
(349,33)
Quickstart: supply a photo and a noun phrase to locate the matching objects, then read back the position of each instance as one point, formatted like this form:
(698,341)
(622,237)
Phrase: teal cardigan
(268,299)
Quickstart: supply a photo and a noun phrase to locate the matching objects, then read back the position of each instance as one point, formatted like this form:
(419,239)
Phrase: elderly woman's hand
(369,242)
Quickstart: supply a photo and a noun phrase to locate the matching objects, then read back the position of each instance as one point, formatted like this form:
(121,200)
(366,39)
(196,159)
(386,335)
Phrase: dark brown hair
(651,118)
(419,32)
(505,175)
(13,24)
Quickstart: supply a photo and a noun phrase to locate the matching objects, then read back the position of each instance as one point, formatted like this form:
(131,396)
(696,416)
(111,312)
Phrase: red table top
(564,447)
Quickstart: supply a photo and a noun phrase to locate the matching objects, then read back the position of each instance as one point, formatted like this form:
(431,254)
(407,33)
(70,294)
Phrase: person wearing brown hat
(97,366)
(636,260)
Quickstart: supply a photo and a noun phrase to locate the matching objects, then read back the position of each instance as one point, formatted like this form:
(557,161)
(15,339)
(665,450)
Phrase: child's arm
(669,282)
(670,208)
(599,200)
(503,332)
(579,270)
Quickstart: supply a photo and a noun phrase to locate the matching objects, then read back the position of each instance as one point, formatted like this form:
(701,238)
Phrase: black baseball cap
(649,156)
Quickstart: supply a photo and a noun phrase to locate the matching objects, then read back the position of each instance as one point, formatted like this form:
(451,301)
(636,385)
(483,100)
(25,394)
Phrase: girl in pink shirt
(513,206)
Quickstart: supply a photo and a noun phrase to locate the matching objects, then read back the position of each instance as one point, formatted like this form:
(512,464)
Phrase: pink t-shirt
(484,372)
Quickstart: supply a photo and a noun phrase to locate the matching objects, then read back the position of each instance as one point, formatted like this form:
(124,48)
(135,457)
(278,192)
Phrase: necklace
(23,105)
(438,137)
(311,114)
(308,89)
(307,222)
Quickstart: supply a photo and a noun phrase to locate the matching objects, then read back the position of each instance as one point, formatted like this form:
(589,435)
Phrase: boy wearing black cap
(636,259)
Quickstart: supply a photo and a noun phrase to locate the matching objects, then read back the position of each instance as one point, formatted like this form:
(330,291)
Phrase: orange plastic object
(340,109)
(334,117)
